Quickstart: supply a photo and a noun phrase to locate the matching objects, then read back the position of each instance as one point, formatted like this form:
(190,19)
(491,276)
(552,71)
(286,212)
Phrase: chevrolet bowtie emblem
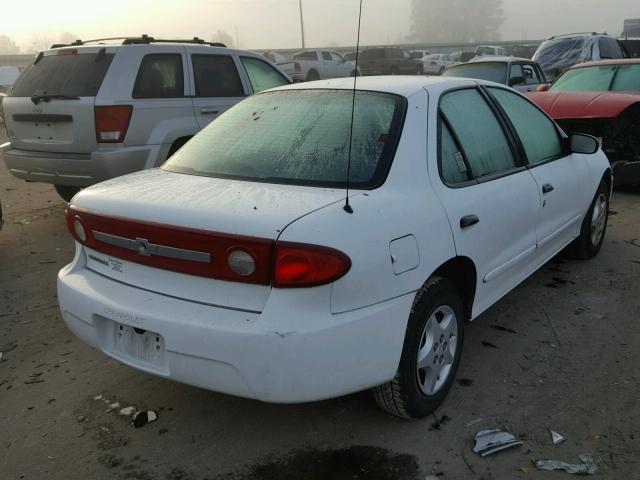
(143,247)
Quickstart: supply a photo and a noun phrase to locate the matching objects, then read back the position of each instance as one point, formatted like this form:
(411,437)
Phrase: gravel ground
(561,351)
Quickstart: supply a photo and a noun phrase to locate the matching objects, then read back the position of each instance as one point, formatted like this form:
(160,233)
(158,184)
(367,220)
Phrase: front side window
(538,134)
(531,75)
(585,79)
(492,71)
(160,76)
(336,57)
(609,48)
(326,56)
(216,76)
(299,137)
(262,75)
(480,135)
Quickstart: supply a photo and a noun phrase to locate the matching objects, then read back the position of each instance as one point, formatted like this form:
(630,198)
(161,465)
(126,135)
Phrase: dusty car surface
(601,99)
(240,267)
(87,112)
(522,74)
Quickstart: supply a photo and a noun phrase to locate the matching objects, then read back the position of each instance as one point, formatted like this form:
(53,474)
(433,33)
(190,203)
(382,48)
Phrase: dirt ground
(561,352)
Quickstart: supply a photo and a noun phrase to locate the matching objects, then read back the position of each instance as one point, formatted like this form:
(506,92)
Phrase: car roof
(405,86)
(500,59)
(616,61)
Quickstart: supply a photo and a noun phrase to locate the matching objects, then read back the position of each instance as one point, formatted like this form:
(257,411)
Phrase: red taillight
(299,265)
(112,123)
(234,258)
(297,67)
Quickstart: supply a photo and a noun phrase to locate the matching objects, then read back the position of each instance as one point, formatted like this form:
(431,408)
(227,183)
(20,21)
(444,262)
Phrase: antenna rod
(302,25)
(347,207)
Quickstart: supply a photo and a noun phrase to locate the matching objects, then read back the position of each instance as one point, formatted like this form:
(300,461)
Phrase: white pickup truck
(318,64)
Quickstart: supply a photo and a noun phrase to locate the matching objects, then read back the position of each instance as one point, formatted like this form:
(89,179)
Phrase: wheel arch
(177,144)
(461,271)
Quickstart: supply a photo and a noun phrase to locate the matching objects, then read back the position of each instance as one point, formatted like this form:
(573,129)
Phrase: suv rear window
(492,71)
(72,74)
(299,137)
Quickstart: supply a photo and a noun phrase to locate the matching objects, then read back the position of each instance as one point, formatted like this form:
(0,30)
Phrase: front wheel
(594,227)
(430,355)
(66,192)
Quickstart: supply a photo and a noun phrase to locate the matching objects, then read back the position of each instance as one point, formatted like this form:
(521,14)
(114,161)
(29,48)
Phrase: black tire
(355,73)
(177,145)
(403,396)
(312,76)
(584,247)
(441,71)
(66,192)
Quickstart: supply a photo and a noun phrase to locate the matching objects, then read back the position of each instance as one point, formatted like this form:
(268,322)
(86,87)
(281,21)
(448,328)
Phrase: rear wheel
(313,75)
(430,355)
(441,71)
(66,192)
(594,227)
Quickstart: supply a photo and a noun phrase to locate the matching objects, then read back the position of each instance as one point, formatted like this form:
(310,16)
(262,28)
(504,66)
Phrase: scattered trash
(141,418)
(522,470)
(489,442)
(556,437)
(473,422)
(128,411)
(592,439)
(97,397)
(114,405)
(586,467)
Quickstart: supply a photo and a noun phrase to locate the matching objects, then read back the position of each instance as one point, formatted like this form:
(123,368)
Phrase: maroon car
(601,99)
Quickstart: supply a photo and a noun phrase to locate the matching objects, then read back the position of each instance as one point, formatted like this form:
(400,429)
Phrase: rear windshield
(76,75)
(494,72)
(620,78)
(299,137)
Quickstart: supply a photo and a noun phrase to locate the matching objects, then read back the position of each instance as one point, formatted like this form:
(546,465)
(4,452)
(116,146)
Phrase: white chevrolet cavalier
(237,268)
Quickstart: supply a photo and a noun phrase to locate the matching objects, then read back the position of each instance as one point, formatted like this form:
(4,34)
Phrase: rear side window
(480,135)
(160,76)
(610,48)
(311,55)
(326,56)
(262,75)
(216,76)
(537,133)
(75,75)
(299,137)
(454,169)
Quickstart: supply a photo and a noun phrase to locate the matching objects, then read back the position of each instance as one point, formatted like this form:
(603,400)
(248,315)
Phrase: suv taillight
(112,123)
(297,67)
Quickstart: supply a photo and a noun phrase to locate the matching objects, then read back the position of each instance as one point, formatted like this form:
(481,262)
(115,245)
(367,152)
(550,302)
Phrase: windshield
(299,137)
(492,71)
(603,78)
(74,75)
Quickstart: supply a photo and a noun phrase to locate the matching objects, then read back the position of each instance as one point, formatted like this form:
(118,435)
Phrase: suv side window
(609,48)
(326,56)
(160,76)
(531,75)
(538,134)
(336,57)
(216,76)
(478,131)
(262,75)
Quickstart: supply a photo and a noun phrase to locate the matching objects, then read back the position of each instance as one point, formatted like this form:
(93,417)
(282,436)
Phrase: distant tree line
(456,20)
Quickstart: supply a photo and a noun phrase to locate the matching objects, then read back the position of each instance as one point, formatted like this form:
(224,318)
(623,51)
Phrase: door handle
(468,221)
(209,111)
(547,188)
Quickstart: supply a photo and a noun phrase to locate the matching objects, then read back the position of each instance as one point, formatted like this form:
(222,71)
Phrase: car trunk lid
(182,249)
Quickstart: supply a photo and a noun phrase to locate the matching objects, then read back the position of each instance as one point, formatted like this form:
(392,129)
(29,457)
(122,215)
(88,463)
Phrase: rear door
(558,174)
(50,107)
(217,84)
(491,200)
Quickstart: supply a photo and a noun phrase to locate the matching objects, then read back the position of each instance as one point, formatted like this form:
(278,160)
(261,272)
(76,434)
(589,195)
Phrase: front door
(558,174)
(491,200)
(217,85)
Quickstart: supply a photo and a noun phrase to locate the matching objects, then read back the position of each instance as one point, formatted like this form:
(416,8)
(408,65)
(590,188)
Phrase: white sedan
(436,64)
(238,266)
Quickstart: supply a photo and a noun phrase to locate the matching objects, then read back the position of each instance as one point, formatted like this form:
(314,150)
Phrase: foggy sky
(263,24)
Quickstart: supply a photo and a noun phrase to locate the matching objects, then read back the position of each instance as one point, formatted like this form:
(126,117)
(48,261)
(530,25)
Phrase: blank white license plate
(140,345)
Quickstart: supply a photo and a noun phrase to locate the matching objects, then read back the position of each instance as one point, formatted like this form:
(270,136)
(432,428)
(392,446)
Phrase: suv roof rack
(141,40)
(576,33)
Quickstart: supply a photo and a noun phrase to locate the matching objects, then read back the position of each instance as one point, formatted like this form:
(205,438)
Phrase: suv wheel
(66,193)
(430,355)
(313,75)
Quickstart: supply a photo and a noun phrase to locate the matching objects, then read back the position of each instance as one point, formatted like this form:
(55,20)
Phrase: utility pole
(302,25)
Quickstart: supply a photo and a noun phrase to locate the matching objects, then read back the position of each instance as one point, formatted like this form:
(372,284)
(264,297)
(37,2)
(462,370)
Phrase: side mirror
(543,88)
(585,144)
(517,81)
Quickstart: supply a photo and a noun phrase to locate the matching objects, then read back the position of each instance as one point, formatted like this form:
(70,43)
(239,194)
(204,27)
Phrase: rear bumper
(78,170)
(252,355)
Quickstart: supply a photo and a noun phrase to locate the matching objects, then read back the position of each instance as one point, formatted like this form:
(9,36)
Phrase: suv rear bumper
(78,169)
(240,353)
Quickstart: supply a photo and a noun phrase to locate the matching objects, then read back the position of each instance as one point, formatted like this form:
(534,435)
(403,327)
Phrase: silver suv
(90,111)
